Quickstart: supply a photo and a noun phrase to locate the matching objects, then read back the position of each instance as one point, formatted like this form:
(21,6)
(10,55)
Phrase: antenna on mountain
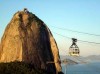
(73,49)
(26,10)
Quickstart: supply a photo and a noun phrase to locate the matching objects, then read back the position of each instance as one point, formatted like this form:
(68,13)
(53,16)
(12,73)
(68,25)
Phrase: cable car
(74,49)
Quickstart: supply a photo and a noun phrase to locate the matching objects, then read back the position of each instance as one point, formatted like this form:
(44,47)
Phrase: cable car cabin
(74,50)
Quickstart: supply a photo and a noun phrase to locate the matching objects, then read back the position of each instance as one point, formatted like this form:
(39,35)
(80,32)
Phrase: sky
(77,15)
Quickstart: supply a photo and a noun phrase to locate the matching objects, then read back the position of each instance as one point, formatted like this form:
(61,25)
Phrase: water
(90,68)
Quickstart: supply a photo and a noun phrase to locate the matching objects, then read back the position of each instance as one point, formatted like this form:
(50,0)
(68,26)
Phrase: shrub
(18,68)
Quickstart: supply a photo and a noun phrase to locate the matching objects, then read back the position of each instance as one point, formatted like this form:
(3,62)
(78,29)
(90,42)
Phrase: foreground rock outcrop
(27,38)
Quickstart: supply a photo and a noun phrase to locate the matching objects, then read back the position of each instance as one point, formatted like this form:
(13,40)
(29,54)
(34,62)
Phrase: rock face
(27,38)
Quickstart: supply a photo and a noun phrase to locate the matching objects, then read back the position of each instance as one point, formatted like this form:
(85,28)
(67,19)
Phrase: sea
(88,68)
(85,65)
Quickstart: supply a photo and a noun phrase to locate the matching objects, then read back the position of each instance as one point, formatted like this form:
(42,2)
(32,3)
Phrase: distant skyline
(78,15)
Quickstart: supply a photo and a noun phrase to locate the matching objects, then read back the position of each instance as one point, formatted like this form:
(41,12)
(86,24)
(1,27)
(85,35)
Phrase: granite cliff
(27,38)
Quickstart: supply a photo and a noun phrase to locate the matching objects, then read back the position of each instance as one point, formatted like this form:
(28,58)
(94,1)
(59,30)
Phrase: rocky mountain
(27,38)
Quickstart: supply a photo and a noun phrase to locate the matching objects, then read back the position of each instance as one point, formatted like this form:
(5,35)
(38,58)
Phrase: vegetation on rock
(19,68)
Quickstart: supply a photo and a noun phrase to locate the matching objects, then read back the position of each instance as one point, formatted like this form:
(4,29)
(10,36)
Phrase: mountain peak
(27,38)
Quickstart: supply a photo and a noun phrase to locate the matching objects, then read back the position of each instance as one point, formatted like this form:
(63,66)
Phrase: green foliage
(18,68)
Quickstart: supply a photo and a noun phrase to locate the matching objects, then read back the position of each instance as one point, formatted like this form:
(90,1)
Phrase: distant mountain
(62,57)
(68,62)
(80,59)
(92,58)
